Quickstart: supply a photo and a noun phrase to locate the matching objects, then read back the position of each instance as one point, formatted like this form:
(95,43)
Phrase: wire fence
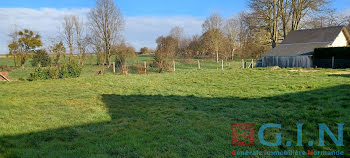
(147,65)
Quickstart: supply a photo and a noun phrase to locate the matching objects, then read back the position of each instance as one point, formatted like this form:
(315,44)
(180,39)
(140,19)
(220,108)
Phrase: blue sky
(141,8)
(145,19)
(152,7)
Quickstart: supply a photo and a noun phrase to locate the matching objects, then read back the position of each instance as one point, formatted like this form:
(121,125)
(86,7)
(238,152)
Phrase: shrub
(54,72)
(125,70)
(71,70)
(41,58)
(4,68)
(39,74)
(140,69)
(122,53)
(167,46)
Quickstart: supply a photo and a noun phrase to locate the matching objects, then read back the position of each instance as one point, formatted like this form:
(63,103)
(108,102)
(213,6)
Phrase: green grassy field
(187,113)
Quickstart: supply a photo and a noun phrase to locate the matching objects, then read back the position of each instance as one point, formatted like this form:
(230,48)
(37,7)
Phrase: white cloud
(345,12)
(139,31)
(143,30)
(45,20)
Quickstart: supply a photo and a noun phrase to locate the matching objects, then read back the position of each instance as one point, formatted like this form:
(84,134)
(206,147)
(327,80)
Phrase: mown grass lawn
(183,114)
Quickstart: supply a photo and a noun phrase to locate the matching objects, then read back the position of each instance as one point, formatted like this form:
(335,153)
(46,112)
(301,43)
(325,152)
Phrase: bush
(41,58)
(39,74)
(71,70)
(140,69)
(54,73)
(122,53)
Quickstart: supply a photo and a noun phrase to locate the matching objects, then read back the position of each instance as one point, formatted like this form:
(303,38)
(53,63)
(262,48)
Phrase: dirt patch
(4,73)
(304,70)
(309,70)
(339,73)
(275,68)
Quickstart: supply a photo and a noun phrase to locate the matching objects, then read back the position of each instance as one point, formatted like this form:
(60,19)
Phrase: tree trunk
(70,51)
(23,61)
(14,60)
(233,53)
(284,31)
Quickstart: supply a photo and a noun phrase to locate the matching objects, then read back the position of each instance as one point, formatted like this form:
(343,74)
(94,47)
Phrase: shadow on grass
(186,126)
(340,75)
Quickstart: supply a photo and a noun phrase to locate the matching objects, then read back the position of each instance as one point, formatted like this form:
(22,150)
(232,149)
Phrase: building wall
(287,61)
(340,41)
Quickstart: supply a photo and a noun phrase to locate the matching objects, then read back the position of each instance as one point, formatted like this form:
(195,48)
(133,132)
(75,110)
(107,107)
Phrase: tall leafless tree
(212,27)
(106,22)
(267,11)
(214,22)
(231,29)
(14,45)
(289,13)
(80,37)
(68,33)
(302,8)
(177,32)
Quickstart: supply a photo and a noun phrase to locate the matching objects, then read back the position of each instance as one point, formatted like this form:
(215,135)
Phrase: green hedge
(41,58)
(336,52)
(72,70)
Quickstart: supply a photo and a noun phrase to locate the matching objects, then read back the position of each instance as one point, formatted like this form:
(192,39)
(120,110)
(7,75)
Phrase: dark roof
(295,49)
(303,42)
(328,34)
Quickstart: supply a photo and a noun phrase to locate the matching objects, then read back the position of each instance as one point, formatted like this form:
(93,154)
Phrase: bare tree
(177,32)
(97,47)
(302,8)
(166,48)
(212,27)
(231,29)
(289,13)
(214,22)
(284,7)
(328,19)
(268,12)
(80,38)
(68,33)
(214,42)
(106,23)
(14,50)
(193,47)
(253,38)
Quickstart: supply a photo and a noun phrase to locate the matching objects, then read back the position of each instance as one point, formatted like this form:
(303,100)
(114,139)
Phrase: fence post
(333,62)
(145,65)
(252,63)
(233,54)
(174,65)
(243,65)
(217,57)
(199,65)
(113,67)
(222,64)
